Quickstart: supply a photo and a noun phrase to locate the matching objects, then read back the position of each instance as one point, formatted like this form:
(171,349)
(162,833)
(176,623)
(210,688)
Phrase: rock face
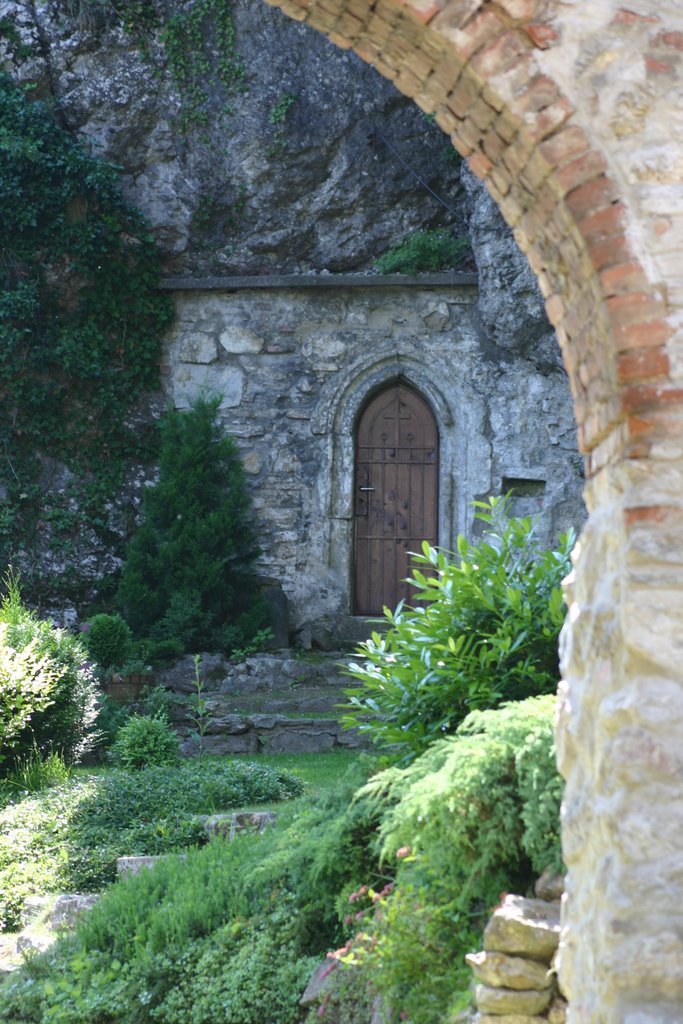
(312,164)
(294,169)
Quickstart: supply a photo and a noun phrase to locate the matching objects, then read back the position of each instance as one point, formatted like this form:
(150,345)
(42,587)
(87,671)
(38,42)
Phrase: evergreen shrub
(144,741)
(187,579)
(477,814)
(108,639)
(485,631)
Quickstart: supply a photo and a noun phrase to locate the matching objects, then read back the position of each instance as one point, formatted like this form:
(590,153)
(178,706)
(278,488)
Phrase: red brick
(540,93)
(593,195)
(640,397)
(647,334)
(546,121)
(647,514)
(566,144)
(603,224)
(625,277)
(634,307)
(500,55)
(611,251)
(479,164)
(672,39)
(655,66)
(642,364)
(577,172)
(542,36)
(626,17)
(468,38)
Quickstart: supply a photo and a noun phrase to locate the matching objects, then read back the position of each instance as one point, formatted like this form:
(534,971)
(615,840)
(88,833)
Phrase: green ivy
(80,326)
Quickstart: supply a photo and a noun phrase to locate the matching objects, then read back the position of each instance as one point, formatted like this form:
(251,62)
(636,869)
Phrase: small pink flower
(360,915)
(348,919)
(363,890)
(376,897)
(321,1010)
(404,851)
(353,897)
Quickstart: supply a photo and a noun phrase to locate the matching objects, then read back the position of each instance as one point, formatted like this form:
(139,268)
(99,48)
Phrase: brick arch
(474,66)
(566,111)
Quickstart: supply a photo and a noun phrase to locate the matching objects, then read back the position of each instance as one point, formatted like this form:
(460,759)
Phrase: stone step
(269,734)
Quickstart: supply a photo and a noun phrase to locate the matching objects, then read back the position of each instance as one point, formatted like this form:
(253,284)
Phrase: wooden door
(396,495)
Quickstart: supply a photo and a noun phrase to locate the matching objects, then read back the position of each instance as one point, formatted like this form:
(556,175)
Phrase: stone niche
(295,359)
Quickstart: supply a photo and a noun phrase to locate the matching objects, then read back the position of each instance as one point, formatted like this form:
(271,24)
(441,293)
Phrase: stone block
(524,927)
(499,970)
(197,348)
(550,886)
(69,907)
(499,1001)
(238,340)
(192,382)
(508,1018)
(230,825)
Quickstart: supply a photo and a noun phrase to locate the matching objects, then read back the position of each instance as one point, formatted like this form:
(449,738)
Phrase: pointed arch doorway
(396,496)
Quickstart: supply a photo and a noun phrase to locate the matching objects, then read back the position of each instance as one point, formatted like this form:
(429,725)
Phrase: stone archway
(566,113)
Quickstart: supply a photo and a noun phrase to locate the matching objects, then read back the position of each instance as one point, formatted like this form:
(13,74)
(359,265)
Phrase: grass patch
(67,837)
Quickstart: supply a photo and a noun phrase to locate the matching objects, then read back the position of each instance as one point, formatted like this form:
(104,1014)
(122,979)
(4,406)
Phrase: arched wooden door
(396,495)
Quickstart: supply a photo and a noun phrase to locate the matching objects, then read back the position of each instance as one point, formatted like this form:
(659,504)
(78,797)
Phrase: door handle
(366,488)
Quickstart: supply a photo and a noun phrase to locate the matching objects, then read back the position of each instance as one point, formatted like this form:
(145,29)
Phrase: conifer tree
(187,578)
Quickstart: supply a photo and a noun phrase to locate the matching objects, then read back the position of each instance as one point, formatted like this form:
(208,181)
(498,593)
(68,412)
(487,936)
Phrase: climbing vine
(80,327)
(198,46)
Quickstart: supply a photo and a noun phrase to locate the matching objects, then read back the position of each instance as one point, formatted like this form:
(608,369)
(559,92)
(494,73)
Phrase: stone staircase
(268,703)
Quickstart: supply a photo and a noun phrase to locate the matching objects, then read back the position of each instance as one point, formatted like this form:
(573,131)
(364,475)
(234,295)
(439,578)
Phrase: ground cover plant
(67,837)
(395,871)
(485,631)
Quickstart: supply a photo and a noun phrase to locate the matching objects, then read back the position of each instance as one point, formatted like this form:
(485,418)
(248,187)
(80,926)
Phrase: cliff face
(306,161)
(301,164)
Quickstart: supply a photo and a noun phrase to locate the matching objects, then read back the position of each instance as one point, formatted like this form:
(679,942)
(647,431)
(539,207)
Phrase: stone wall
(293,361)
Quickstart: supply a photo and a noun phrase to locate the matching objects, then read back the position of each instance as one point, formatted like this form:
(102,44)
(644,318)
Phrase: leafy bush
(66,722)
(486,630)
(145,740)
(67,838)
(423,250)
(187,575)
(108,639)
(26,684)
